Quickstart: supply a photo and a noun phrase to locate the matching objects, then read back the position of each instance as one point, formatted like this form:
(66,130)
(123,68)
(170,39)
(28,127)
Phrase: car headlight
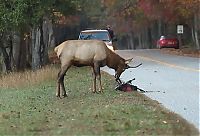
(109,43)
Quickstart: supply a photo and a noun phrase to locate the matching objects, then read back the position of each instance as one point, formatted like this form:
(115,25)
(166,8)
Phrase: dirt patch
(182,52)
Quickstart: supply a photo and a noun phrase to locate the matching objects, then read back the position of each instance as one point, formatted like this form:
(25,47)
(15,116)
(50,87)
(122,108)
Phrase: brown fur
(92,53)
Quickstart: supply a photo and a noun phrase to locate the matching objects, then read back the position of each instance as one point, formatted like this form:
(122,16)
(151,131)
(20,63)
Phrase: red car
(167,42)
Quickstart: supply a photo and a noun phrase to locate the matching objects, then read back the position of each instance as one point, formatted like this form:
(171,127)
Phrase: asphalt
(176,77)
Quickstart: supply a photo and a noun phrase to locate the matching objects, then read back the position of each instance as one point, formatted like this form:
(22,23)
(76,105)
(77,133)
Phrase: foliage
(16,14)
(174,11)
(12,14)
(145,11)
(90,11)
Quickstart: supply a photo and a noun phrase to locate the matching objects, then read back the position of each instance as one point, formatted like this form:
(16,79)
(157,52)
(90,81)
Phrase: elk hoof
(65,95)
(58,96)
(94,91)
(101,90)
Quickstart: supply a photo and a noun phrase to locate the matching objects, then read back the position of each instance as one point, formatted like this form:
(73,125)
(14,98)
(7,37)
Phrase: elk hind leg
(94,81)
(60,81)
(58,86)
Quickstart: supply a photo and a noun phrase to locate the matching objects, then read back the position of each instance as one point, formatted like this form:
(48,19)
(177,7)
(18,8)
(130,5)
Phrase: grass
(28,106)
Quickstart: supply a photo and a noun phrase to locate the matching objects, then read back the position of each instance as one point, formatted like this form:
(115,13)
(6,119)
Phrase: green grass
(35,110)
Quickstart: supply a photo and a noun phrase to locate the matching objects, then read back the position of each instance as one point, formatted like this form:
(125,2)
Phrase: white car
(99,35)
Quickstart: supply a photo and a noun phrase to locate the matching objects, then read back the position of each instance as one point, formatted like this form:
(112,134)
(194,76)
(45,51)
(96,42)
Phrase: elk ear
(128,61)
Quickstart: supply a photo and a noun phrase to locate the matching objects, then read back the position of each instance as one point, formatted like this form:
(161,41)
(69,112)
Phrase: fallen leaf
(165,122)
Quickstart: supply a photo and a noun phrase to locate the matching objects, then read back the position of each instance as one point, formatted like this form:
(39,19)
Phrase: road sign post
(180,34)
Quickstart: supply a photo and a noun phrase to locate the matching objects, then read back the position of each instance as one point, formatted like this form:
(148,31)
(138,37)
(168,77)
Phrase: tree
(11,21)
(148,19)
(26,20)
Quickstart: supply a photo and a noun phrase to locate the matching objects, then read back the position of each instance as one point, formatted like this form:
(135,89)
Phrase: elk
(92,53)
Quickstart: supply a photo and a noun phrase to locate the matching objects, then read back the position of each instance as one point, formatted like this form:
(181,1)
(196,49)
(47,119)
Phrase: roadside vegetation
(182,52)
(28,106)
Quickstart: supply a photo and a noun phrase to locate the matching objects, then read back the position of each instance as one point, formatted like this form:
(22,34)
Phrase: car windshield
(104,36)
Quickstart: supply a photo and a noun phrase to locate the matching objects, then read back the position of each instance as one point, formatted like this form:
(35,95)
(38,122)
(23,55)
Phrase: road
(177,77)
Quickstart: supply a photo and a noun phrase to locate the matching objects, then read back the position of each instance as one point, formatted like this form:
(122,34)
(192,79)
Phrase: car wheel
(176,47)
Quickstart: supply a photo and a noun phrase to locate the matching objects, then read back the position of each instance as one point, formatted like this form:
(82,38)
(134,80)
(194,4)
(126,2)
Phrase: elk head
(123,65)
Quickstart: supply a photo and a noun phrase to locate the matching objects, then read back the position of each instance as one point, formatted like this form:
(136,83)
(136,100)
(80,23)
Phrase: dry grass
(28,78)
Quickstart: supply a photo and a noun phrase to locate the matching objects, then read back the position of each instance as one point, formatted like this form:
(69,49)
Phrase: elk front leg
(117,79)
(100,85)
(64,94)
(98,75)
(58,90)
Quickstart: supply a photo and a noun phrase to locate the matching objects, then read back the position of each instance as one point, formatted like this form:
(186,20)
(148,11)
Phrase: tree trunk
(6,50)
(140,40)
(160,30)
(48,34)
(154,34)
(149,38)
(16,43)
(28,47)
(193,36)
(145,38)
(180,40)
(25,53)
(40,43)
(196,30)
(36,48)
(6,60)
(131,40)
(48,38)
